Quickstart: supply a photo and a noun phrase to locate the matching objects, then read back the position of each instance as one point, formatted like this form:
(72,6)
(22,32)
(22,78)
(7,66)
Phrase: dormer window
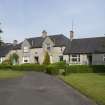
(26,49)
(48,46)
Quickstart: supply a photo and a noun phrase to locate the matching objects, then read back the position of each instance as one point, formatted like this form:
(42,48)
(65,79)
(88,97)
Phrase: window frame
(75,56)
(26,58)
(104,57)
(25,49)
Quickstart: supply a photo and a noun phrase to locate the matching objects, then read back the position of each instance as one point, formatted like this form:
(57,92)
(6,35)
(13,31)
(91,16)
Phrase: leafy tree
(46,59)
(0,37)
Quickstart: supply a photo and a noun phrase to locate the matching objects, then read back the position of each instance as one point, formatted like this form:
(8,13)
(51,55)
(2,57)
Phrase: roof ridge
(89,38)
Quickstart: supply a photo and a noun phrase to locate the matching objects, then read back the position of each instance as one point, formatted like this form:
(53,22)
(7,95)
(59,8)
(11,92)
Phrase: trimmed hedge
(29,67)
(56,68)
(85,69)
(24,67)
(51,69)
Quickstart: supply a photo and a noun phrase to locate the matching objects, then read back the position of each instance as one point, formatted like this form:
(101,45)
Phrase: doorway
(89,59)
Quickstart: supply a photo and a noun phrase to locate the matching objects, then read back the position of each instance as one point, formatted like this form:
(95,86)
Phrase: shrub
(46,59)
(85,69)
(30,67)
(5,66)
(60,65)
(6,62)
(51,69)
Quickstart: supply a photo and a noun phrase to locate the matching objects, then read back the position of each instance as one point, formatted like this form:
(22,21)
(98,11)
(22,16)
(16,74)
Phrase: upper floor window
(26,49)
(48,46)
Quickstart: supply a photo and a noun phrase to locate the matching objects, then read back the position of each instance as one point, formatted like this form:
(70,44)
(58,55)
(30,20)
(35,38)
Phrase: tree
(14,58)
(0,37)
(46,59)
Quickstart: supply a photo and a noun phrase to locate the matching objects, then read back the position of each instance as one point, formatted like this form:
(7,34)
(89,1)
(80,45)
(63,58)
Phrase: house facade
(60,48)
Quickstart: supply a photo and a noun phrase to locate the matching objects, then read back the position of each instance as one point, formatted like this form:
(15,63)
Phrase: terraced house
(60,48)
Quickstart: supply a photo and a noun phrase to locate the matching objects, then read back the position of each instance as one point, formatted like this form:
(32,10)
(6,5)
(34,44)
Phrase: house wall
(98,59)
(83,59)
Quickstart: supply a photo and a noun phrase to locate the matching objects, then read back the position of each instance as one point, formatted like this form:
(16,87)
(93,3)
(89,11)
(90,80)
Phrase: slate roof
(59,40)
(86,45)
(5,50)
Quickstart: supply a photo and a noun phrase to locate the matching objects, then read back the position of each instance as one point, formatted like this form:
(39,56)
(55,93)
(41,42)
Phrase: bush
(30,67)
(85,69)
(46,59)
(51,69)
(60,65)
(5,66)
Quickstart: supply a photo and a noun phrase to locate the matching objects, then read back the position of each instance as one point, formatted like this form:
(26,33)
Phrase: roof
(5,50)
(59,40)
(86,45)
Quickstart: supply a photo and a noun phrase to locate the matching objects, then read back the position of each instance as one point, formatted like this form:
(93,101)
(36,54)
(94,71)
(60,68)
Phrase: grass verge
(5,74)
(90,84)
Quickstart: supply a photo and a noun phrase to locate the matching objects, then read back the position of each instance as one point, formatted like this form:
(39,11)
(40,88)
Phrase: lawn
(10,74)
(90,84)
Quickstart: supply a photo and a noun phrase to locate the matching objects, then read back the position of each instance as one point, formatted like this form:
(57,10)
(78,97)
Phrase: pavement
(39,89)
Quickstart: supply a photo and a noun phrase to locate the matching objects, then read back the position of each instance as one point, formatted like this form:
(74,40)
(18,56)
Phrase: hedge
(85,69)
(51,69)
(24,67)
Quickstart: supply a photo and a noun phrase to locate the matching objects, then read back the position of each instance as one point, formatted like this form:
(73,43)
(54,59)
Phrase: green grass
(90,84)
(5,74)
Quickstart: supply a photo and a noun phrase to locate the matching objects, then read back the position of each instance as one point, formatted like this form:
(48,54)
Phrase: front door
(89,59)
(37,59)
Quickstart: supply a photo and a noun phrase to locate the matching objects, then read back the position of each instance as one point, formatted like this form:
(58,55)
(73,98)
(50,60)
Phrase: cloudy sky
(27,18)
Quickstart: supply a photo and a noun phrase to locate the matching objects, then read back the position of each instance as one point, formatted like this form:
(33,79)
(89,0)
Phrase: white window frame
(104,57)
(26,58)
(77,57)
(26,49)
(1,59)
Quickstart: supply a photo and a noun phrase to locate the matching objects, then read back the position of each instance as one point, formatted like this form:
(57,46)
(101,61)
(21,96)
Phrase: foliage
(84,69)
(14,58)
(46,59)
(51,69)
(29,67)
(6,62)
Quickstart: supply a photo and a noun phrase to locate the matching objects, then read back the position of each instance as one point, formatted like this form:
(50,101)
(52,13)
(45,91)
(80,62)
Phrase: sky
(28,18)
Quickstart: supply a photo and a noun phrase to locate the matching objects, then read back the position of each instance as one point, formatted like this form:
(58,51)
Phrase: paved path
(39,89)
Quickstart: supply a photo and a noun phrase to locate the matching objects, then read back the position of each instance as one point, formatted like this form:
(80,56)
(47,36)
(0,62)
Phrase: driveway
(39,89)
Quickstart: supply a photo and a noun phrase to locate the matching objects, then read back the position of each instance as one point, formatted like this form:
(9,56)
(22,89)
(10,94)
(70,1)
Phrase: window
(0,60)
(75,58)
(26,49)
(25,59)
(104,58)
(48,46)
(60,58)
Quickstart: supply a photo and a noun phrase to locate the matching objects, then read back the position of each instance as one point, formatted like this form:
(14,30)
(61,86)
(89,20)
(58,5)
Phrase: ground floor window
(61,58)
(25,59)
(0,60)
(75,58)
(104,58)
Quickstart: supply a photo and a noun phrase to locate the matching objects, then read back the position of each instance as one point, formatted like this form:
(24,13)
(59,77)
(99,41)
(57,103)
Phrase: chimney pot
(71,35)
(44,33)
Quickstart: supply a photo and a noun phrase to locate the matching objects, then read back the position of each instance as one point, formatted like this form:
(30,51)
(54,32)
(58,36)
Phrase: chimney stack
(71,35)
(15,42)
(44,33)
